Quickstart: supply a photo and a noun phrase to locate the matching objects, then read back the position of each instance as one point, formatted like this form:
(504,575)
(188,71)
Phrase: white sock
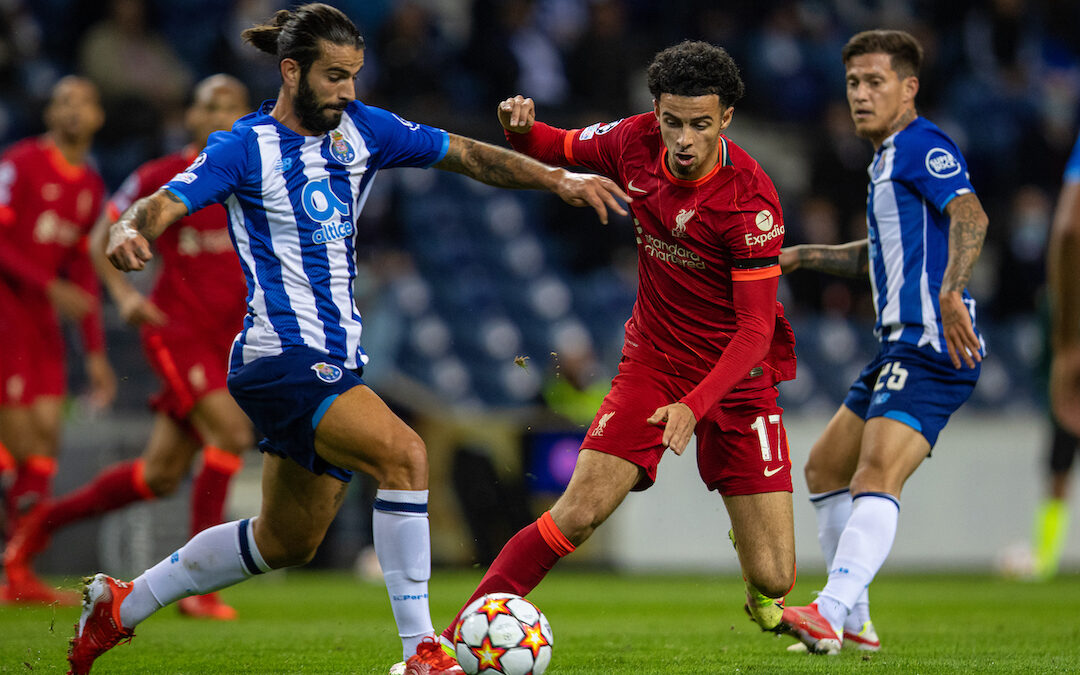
(403,545)
(860,553)
(214,558)
(833,510)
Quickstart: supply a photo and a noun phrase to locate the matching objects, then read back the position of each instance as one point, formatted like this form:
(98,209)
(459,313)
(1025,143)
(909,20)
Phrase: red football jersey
(201,285)
(693,238)
(47,207)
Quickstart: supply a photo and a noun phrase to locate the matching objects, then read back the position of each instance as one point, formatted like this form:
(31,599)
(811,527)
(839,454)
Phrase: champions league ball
(503,634)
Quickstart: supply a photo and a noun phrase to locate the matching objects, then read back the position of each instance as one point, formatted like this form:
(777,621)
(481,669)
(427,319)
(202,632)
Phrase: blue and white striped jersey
(915,173)
(292,202)
(1072,167)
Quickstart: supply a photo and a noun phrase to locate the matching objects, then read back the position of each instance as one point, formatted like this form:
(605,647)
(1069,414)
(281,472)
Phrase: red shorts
(742,447)
(31,352)
(190,367)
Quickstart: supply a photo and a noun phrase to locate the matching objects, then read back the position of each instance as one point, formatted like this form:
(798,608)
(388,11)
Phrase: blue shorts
(914,385)
(286,396)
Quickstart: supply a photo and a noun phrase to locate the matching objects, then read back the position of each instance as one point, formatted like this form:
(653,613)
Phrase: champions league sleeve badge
(327,372)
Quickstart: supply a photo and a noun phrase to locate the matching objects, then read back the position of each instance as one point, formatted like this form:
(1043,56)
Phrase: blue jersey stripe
(293,201)
(914,174)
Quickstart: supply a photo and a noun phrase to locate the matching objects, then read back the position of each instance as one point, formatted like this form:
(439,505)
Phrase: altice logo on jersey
(941,163)
(323,206)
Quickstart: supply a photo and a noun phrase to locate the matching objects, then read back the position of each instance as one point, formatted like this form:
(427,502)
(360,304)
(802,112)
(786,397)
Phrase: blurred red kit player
(187,325)
(50,197)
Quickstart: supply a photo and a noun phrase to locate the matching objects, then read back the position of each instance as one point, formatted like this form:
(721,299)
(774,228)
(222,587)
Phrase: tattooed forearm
(844,260)
(967,229)
(495,166)
(150,215)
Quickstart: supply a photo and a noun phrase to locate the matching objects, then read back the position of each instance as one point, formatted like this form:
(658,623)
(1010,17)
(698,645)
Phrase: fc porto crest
(327,372)
(340,148)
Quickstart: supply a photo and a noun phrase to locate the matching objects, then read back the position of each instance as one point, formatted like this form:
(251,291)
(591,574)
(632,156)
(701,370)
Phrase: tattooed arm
(508,169)
(967,229)
(128,247)
(844,260)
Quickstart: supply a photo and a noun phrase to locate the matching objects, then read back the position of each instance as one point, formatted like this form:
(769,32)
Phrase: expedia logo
(941,163)
(762,239)
(327,372)
(332,232)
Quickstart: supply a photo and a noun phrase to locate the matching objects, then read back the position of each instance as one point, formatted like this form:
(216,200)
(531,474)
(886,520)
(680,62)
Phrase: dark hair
(905,52)
(295,34)
(693,68)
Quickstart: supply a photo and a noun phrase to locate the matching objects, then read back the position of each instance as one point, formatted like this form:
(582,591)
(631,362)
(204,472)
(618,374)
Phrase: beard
(314,116)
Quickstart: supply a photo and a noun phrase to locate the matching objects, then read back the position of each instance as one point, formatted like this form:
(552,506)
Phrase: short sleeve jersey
(914,175)
(292,203)
(200,286)
(47,207)
(694,239)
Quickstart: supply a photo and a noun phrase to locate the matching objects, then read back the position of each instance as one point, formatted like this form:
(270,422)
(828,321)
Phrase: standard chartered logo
(671,252)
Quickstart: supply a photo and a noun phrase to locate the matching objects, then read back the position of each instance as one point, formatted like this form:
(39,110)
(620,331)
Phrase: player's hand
(102,381)
(789,259)
(138,310)
(70,299)
(517,114)
(589,189)
(1065,387)
(960,338)
(678,422)
(128,251)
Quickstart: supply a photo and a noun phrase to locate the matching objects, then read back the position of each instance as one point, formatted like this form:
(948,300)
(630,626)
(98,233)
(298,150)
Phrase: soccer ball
(503,634)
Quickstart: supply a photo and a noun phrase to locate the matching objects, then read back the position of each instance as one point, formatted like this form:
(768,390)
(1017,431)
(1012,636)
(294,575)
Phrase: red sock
(33,483)
(8,465)
(118,485)
(522,563)
(210,487)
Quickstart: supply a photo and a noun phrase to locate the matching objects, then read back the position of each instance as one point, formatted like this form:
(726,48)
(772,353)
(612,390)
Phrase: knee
(235,439)
(820,475)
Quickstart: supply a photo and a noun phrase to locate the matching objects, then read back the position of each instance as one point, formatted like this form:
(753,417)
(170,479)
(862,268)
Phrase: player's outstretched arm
(1064,287)
(967,229)
(844,260)
(128,247)
(508,169)
(134,307)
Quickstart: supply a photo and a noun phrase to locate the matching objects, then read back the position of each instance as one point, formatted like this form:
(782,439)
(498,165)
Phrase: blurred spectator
(600,65)
(128,58)
(143,84)
(414,63)
(1020,269)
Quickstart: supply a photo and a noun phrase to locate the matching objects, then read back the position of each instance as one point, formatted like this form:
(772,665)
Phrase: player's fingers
(952,353)
(611,195)
(593,200)
(658,417)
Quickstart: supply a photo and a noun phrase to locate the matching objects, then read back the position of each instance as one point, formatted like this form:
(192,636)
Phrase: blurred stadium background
(477,301)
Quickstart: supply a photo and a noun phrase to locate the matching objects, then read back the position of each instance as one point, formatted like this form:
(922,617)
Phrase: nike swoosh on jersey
(630,186)
(771,472)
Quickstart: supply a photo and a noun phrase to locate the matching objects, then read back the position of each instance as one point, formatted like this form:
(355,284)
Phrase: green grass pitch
(315,622)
